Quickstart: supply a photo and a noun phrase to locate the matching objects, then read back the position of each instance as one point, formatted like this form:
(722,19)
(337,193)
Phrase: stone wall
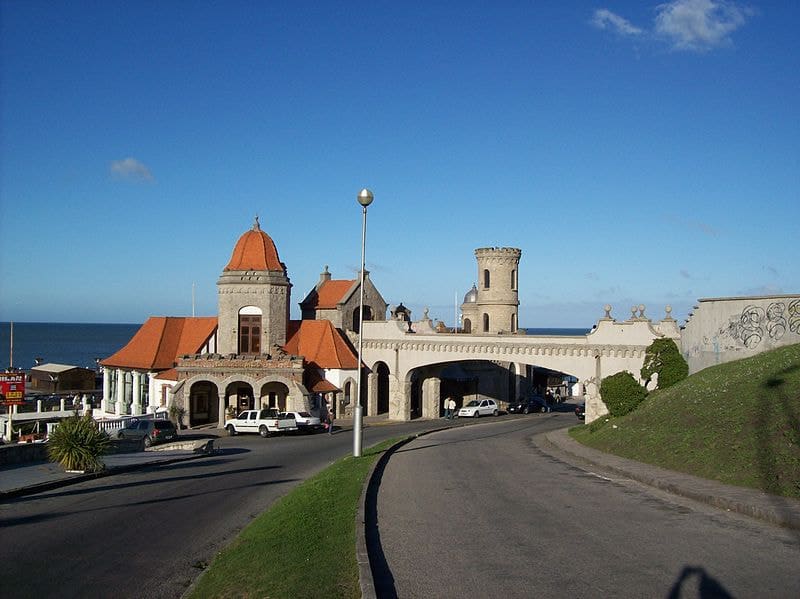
(730,328)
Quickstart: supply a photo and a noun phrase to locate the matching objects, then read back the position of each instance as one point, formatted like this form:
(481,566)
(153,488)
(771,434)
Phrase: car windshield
(473,403)
(304,414)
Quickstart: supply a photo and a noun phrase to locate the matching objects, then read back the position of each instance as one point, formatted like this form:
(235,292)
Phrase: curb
(774,509)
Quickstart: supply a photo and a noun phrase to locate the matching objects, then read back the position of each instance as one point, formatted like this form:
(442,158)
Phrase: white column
(136,403)
(154,400)
(106,390)
(372,394)
(120,403)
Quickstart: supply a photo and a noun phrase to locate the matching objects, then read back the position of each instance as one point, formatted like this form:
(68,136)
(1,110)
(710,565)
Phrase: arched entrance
(203,403)
(382,370)
(416,396)
(239,396)
(357,321)
(273,395)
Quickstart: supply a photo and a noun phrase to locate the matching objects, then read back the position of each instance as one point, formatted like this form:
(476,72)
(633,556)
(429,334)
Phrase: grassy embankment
(738,423)
(304,546)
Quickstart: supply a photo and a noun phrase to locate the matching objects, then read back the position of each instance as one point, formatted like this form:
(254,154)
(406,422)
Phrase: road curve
(480,511)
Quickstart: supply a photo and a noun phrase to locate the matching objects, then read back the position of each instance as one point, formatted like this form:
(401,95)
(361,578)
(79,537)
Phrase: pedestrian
(451,403)
(446,406)
(330,422)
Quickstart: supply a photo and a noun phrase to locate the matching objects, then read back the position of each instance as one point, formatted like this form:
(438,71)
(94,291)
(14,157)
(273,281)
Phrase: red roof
(160,340)
(320,343)
(255,250)
(330,293)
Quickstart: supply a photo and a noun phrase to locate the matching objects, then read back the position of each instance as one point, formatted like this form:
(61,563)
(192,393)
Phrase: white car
(306,423)
(478,407)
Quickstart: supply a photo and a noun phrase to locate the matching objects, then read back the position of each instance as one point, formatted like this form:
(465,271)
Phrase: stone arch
(239,395)
(367,316)
(467,326)
(274,394)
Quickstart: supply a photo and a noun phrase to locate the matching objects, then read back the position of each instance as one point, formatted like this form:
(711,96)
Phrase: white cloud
(693,25)
(605,19)
(130,168)
(698,24)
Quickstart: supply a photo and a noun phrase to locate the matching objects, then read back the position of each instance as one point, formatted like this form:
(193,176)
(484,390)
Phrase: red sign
(12,388)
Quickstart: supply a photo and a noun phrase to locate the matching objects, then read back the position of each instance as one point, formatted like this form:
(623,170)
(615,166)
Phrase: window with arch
(514,279)
(250,330)
(485,323)
(486,278)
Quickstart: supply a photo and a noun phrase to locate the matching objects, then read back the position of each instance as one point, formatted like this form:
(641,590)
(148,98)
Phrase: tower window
(513,279)
(485,323)
(249,334)
(486,278)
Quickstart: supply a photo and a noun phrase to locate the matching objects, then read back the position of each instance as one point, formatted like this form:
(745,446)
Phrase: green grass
(738,423)
(304,546)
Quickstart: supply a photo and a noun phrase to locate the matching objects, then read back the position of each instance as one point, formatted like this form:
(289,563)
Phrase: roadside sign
(12,388)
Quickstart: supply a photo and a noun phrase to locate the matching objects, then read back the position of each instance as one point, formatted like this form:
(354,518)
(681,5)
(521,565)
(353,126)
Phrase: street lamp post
(365,198)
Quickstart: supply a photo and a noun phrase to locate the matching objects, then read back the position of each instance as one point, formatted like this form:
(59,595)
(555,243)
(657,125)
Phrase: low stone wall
(22,453)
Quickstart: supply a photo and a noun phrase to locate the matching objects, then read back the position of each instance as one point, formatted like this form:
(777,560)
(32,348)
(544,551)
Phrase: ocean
(77,344)
(74,344)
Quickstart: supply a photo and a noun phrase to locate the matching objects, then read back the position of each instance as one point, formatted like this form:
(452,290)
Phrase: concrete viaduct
(411,363)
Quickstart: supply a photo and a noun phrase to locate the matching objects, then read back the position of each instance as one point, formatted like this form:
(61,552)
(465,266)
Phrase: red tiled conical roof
(255,250)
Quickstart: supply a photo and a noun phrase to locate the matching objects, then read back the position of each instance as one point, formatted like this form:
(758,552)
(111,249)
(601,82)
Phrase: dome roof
(472,295)
(255,250)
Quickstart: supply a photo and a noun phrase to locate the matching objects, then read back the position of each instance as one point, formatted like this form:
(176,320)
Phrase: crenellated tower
(497,307)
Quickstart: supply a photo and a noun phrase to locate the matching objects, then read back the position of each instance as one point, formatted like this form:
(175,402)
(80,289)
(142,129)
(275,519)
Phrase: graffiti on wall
(755,323)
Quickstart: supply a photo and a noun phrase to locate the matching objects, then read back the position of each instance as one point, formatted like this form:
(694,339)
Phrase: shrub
(621,393)
(77,444)
(177,412)
(664,357)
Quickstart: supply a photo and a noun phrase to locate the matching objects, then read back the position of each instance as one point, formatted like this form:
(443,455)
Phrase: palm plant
(77,444)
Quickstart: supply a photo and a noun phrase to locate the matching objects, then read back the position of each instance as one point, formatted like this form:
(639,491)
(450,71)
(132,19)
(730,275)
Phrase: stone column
(399,399)
(119,407)
(106,390)
(431,396)
(372,394)
(136,393)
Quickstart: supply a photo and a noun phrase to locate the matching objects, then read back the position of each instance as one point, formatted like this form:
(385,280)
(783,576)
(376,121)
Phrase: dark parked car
(580,410)
(151,431)
(526,405)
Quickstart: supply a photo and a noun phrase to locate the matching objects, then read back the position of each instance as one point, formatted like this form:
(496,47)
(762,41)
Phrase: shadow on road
(708,587)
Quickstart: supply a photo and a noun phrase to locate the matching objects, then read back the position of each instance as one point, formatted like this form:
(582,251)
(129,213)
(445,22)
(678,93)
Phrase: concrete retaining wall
(730,328)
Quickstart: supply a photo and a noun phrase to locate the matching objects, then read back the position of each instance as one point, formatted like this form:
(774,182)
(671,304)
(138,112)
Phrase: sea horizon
(83,344)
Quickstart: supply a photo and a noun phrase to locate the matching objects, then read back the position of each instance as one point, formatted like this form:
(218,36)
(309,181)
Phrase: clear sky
(637,152)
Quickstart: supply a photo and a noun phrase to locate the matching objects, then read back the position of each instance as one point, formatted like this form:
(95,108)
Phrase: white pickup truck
(264,422)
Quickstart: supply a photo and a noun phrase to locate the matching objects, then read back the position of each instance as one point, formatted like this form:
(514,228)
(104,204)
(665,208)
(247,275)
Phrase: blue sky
(637,152)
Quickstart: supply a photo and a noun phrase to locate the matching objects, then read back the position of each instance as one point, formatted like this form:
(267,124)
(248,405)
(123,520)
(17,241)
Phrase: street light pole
(365,198)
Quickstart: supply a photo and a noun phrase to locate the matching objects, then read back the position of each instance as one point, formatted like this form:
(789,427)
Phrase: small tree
(77,444)
(177,413)
(621,393)
(664,357)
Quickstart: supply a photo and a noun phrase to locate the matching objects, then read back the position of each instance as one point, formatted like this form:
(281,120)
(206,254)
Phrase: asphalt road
(150,533)
(481,511)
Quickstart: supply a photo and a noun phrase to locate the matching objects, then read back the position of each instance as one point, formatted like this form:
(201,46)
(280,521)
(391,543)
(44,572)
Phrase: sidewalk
(36,477)
(782,511)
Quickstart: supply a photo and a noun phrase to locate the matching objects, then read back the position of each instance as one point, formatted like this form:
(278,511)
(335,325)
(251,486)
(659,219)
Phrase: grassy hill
(738,423)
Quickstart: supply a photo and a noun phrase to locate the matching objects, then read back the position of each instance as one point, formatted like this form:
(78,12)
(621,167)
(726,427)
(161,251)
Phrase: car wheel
(120,435)
(495,412)
(542,409)
(477,414)
(527,410)
(231,430)
(148,442)
(263,431)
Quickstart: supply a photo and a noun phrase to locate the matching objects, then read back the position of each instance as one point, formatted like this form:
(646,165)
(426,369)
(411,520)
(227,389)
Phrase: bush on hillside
(664,357)
(621,393)
(77,444)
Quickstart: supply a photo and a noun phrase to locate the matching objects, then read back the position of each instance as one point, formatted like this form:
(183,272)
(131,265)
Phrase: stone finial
(425,314)
(668,312)
(607,309)
(641,310)
(634,309)
(256,225)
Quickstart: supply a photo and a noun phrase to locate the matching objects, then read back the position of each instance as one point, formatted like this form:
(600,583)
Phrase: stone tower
(254,295)
(497,306)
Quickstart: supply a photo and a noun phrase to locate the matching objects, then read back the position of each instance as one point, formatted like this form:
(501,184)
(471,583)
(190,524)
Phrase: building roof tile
(321,344)
(255,250)
(160,340)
